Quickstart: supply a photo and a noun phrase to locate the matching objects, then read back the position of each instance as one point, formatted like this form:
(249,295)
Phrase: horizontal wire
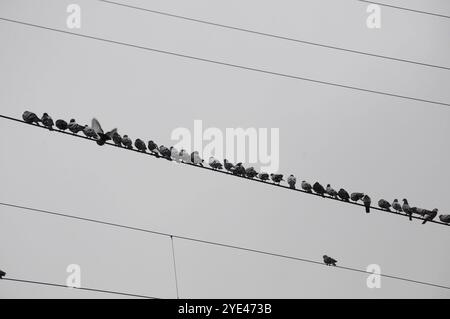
(228,173)
(75,288)
(207,242)
(405,9)
(275,36)
(235,66)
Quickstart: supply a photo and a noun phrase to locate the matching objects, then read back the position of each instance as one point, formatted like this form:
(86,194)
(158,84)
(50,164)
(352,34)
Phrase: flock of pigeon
(96,132)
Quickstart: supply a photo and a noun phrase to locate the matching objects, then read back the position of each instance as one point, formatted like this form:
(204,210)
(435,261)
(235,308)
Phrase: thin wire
(81,288)
(174,267)
(275,36)
(230,174)
(406,9)
(236,66)
(207,242)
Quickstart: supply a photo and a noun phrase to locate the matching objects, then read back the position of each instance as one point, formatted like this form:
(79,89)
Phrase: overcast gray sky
(385,146)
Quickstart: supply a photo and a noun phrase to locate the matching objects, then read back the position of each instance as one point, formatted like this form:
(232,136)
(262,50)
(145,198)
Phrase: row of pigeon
(96,132)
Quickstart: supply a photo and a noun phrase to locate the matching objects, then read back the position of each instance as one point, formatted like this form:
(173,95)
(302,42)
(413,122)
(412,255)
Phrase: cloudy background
(385,146)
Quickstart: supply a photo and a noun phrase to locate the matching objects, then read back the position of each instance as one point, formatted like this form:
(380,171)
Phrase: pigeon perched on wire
(74,127)
(47,121)
(291,180)
(165,152)
(384,204)
(306,186)
(228,166)
(356,196)
(343,194)
(30,117)
(140,145)
(329,261)
(214,163)
(406,208)
(2,274)
(366,201)
(396,205)
(117,139)
(318,188)
(196,159)
(127,142)
(153,148)
(263,176)
(89,132)
(250,172)
(61,125)
(330,191)
(444,218)
(430,215)
(174,154)
(239,170)
(185,156)
(276,178)
(102,136)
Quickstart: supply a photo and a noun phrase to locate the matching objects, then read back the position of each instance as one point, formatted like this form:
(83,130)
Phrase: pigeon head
(72,120)
(396,200)
(405,201)
(325,256)
(328,185)
(435,210)
(45,114)
(125,136)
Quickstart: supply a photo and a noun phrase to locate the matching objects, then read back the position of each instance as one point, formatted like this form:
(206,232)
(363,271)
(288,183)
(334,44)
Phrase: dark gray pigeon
(367,201)
(153,147)
(140,145)
(384,204)
(89,132)
(330,191)
(263,176)
(117,139)
(239,170)
(343,194)
(47,121)
(291,180)
(215,164)
(277,178)
(329,261)
(165,152)
(30,117)
(306,186)
(406,208)
(127,142)
(61,125)
(250,172)
(444,218)
(74,127)
(430,215)
(356,196)
(102,136)
(2,274)
(318,188)
(396,205)
(228,166)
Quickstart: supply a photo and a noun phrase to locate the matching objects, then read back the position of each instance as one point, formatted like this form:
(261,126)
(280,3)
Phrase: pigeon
(174,154)
(185,156)
(263,176)
(89,132)
(277,178)
(306,186)
(250,172)
(196,159)
(318,188)
(430,215)
(61,125)
(396,205)
(153,148)
(444,218)
(356,196)
(228,166)
(140,145)
(291,180)
(47,121)
(329,261)
(367,201)
(330,191)
(117,139)
(406,208)
(343,194)
(30,117)
(165,152)
(2,274)
(419,211)
(215,164)
(384,204)
(127,142)
(74,127)
(239,170)
(102,136)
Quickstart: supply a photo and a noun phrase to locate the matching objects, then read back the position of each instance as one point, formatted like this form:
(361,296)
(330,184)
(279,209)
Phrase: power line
(175,267)
(230,174)
(406,9)
(207,242)
(235,66)
(271,35)
(81,288)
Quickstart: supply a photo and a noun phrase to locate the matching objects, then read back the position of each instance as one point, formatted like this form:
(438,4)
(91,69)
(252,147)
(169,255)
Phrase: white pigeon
(185,156)
(174,154)
(396,205)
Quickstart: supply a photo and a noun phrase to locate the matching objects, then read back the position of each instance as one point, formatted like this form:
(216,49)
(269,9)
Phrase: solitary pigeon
(185,156)
(127,142)
(117,139)
(318,188)
(61,125)
(330,191)
(152,147)
(30,117)
(384,204)
(277,178)
(343,194)
(215,164)
(74,127)
(47,121)
(2,274)
(367,201)
(329,261)
(165,152)
(356,196)
(406,208)
(89,132)
(444,218)
(263,176)
(102,136)
(174,154)
(430,215)
(196,159)
(396,205)
(291,180)
(228,166)
(250,172)
(140,145)
(306,186)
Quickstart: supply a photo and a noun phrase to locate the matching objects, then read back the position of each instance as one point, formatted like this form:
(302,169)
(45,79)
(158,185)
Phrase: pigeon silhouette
(444,218)
(239,170)
(277,178)
(263,176)
(165,152)
(74,127)
(330,191)
(343,194)
(47,121)
(153,148)
(367,201)
(406,208)
(30,117)
(329,261)
(291,180)
(61,125)
(102,136)
(196,159)
(356,196)
(384,204)
(140,145)
(117,139)
(396,205)
(250,172)
(228,166)
(430,215)
(318,188)
(215,164)
(89,132)
(127,142)
(2,274)
(306,186)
